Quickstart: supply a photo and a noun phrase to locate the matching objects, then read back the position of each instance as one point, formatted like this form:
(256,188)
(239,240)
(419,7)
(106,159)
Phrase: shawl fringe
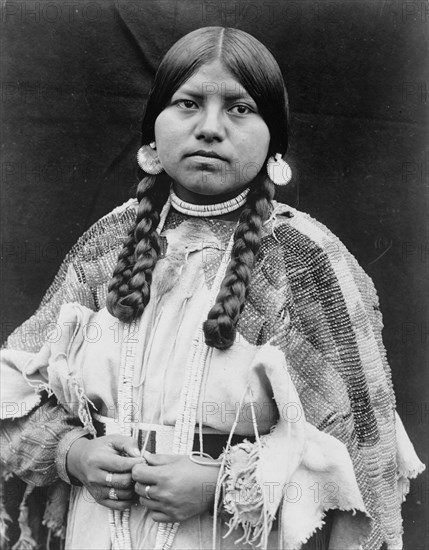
(26,540)
(244,500)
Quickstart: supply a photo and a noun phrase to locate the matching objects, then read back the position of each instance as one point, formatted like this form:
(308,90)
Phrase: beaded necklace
(207,210)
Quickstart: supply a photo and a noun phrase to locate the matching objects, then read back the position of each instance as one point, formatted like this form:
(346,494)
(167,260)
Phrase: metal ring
(109,479)
(147,492)
(112,494)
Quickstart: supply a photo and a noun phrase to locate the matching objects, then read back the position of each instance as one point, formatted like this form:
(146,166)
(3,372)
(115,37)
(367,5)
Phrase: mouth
(206,154)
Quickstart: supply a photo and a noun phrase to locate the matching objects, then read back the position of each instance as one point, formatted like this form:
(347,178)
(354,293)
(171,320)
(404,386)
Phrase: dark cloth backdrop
(75,79)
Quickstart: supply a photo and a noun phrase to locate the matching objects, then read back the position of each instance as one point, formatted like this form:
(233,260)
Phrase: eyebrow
(231,95)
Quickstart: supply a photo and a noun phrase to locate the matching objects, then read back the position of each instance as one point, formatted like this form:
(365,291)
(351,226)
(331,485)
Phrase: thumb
(126,445)
(158,459)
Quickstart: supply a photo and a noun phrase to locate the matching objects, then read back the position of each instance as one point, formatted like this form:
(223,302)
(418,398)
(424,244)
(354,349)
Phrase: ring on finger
(109,479)
(146,490)
(112,494)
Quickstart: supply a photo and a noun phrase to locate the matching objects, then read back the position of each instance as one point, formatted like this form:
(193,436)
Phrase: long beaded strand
(186,421)
(119,522)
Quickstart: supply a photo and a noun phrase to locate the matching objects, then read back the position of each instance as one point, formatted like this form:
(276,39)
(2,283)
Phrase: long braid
(129,287)
(220,326)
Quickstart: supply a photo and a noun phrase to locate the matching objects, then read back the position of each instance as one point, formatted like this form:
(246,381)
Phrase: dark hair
(244,56)
(255,68)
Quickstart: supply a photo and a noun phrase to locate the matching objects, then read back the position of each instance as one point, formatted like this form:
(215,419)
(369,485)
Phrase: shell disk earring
(148,159)
(278,170)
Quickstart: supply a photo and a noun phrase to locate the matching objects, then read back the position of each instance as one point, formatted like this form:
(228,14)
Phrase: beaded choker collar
(207,210)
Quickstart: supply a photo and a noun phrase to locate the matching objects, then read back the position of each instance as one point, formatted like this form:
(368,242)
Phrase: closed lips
(208,154)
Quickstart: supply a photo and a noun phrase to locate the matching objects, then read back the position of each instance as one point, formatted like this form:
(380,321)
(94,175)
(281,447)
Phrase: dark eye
(241,109)
(186,104)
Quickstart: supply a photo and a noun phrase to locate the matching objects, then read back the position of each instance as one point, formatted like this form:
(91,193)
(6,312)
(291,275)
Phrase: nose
(210,126)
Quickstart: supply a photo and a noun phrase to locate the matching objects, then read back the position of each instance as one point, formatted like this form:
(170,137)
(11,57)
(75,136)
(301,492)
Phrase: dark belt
(213,444)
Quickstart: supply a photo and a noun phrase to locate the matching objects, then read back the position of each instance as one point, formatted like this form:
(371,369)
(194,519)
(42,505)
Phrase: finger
(115,463)
(125,445)
(122,494)
(144,474)
(102,493)
(150,504)
(157,459)
(147,494)
(117,504)
(119,481)
(160,517)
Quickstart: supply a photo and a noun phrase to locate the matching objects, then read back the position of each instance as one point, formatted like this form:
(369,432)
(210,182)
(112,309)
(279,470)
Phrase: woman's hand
(90,461)
(178,487)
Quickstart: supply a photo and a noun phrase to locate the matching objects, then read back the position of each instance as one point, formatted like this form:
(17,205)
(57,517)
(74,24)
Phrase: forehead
(214,78)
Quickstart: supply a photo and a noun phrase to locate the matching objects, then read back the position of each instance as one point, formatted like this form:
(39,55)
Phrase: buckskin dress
(306,378)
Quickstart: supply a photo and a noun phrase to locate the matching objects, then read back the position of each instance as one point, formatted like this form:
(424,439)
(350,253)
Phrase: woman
(236,378)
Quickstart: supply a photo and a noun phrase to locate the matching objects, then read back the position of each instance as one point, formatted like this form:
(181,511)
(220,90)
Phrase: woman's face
(210,138)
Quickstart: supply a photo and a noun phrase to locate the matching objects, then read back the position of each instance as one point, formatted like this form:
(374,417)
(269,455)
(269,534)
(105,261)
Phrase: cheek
(164,136)
(264,138)
(257,143)
(161,128)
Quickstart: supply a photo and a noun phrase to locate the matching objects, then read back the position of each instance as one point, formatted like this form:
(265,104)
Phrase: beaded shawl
(309,297)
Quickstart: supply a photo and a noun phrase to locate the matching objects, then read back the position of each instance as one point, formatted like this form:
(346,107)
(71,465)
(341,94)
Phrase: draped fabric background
(75,78)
